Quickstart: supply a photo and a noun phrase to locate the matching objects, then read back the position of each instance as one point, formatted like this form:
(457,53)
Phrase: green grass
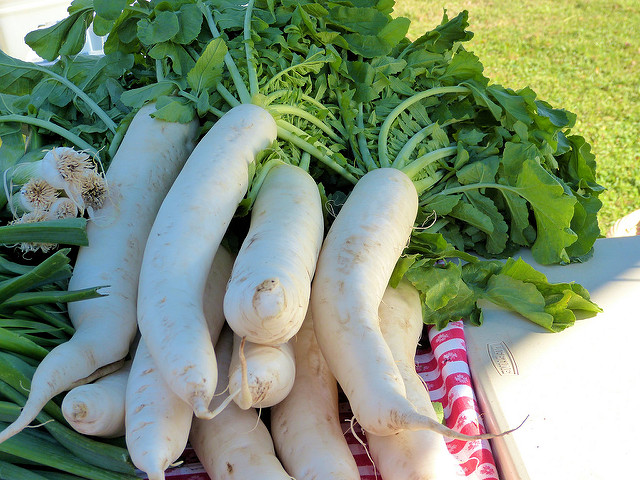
(583,56)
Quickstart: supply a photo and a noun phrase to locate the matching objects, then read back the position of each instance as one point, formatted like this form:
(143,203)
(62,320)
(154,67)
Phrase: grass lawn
(583,56)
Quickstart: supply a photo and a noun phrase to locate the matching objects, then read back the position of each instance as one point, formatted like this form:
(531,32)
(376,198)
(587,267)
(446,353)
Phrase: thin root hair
(38,425)
(352,422)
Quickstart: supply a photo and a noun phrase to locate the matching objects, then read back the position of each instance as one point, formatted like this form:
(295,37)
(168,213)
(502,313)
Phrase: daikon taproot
(305,426)
(157,420)
(188,230)
(417,454)
(149,158)
(268,294)
(98,408)
(263,374)
(235,443)
(355,265)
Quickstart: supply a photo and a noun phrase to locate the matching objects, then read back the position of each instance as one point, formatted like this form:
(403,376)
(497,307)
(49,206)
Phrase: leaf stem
(285,133)
(405,152)
(299,112)
(52,127)
(365,153)
(383,154)
(465,188)
(248,48)
(243,93)
(420,163)
(194,99)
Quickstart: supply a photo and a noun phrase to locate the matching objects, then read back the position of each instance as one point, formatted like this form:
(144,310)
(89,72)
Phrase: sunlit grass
(583,56)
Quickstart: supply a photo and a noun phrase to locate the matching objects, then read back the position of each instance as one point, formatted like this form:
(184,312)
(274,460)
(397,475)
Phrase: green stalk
(257,182)
(465,188)
(273,96)
(305,161)
(426,183)
(27,299)
(407,149)
(14,342)
(52,127)
(35,449)
(299,112)
(67,231)
(285,133)
(365,153)
(245,96)
(53,318)
(251,65)
(420,163)
(383,154)
(227,95)
(159,71)
(41,272)
(118,136)
(13,268)
(14,472)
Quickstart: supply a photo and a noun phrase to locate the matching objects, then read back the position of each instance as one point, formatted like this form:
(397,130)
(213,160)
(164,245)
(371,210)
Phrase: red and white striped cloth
(445,369)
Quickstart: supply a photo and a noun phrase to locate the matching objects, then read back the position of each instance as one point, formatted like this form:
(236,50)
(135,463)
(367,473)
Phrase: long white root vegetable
(263,374)
(184,238)
(305,426)
(268,294)
(98,408)
(418,454)
(157,420)
(355,264)
(140,174)
(235,444)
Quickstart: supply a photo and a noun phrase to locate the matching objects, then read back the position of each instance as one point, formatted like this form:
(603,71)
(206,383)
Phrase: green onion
(65,231)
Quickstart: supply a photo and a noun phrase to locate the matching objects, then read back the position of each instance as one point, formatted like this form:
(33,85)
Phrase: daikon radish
(418,454)
(305,426)
(354,268)
(263,374)
(157,420)
(235,444)
(140,174)
(185,236)
(98,408)
(268,294)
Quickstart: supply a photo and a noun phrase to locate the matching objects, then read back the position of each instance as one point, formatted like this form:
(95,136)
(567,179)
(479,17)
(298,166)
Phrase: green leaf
(479,171)
(464,66)
(181,61)
(497,236)
(519,296)
(207,70)
(174,109)
(76,36)
(190,20)
(16,77)
(161,29)
(137,97)
(68,34)
(512,103)
(553,211)
(109,9)
(439,284)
